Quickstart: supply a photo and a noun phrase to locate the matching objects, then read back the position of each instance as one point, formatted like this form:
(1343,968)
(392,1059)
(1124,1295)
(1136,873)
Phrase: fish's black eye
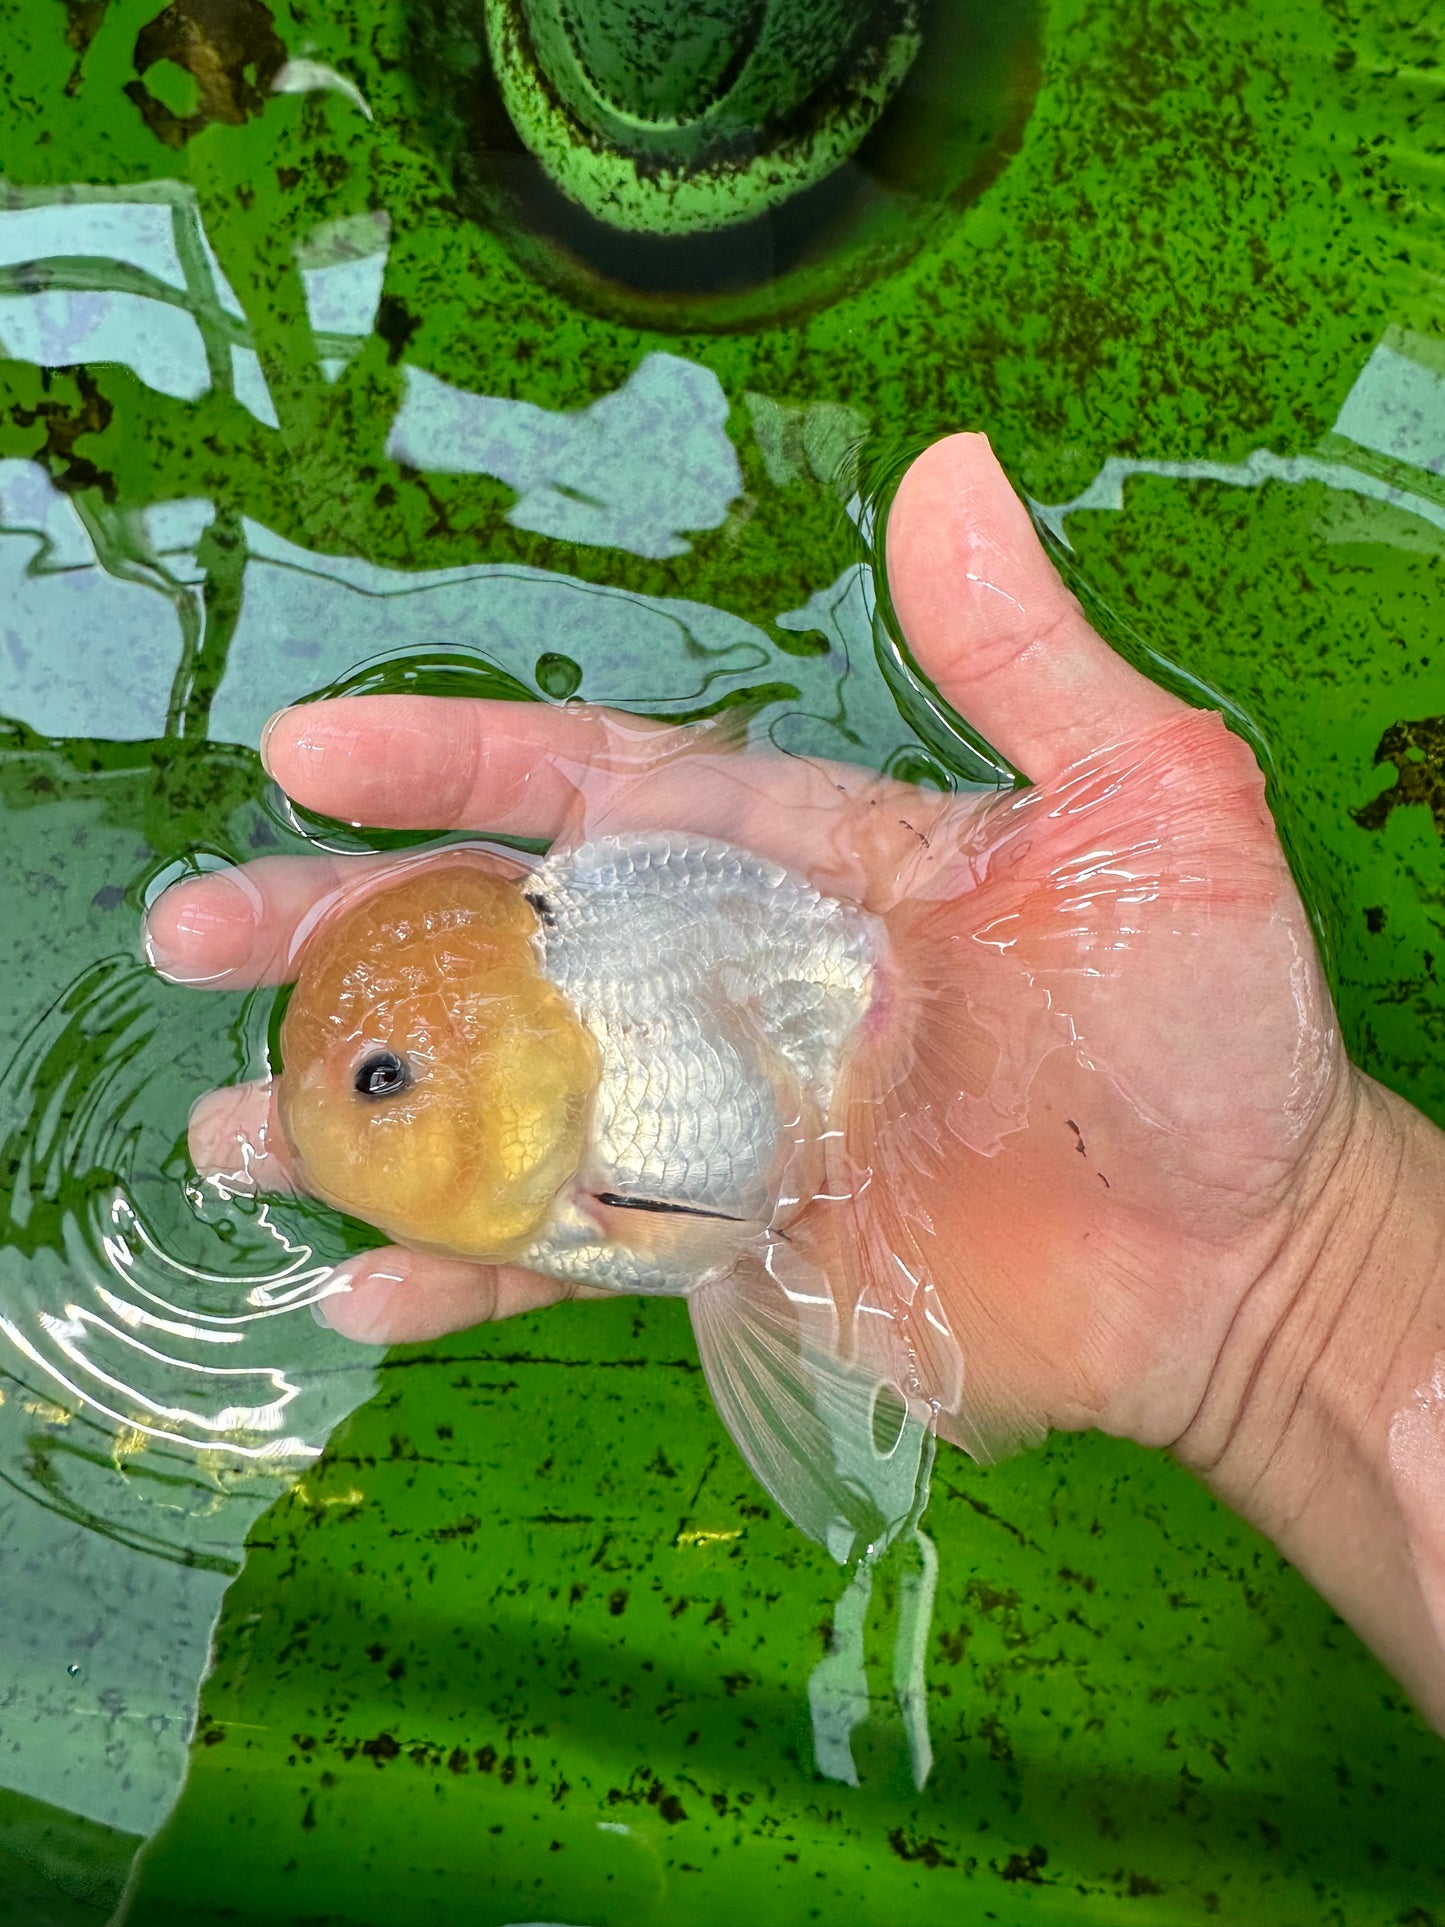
(382,1074)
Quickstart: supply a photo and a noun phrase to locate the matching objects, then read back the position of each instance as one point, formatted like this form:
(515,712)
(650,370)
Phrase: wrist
(1318,1424)
(1320,1336)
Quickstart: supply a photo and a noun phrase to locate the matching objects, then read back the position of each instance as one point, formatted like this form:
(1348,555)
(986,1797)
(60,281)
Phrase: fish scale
(720,988)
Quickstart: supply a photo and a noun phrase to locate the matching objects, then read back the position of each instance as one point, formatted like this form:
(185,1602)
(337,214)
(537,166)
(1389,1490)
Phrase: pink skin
(1417,1462)
(1077,1314)
(1108,977)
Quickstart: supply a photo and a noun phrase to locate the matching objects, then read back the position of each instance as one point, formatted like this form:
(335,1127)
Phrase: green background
(524,1644)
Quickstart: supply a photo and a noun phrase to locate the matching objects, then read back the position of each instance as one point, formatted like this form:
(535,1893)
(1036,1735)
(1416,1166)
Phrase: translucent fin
(633,774)
(838,1697)
(1001,1010)
(918,1585)
(846,1460)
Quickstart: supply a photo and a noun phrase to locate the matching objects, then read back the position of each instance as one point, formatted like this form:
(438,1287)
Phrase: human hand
(1125,1146)
(1148,1088)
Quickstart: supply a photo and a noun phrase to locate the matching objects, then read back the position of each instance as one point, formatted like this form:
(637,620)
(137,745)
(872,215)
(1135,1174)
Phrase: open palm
(1121,1089)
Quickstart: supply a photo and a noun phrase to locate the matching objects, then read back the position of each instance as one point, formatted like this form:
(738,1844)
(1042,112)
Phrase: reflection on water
(262,620)
(576,474)
(298,621)
(1387,446)
(158,1384)
(165,1373)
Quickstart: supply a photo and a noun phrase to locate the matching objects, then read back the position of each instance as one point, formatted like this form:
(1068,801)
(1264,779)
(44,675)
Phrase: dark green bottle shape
(723,163)
(670,117)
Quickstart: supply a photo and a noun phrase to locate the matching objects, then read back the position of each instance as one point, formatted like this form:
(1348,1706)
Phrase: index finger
(527,769)
(450,763)
(520,769)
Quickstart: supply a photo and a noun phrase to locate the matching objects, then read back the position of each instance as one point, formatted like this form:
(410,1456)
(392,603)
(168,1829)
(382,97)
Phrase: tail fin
(1006,949)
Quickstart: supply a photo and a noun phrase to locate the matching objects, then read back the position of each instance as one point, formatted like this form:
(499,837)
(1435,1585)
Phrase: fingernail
(363,1317)
(201,929)
(270,724)
(338,1285)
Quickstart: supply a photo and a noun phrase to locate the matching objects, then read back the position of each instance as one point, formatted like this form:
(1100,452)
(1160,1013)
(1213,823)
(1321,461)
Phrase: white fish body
(722,990)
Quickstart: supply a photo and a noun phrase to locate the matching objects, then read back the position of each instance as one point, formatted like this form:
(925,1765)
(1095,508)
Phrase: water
(291,400)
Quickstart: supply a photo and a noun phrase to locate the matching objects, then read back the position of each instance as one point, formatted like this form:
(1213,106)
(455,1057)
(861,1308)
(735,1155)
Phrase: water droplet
(558,676)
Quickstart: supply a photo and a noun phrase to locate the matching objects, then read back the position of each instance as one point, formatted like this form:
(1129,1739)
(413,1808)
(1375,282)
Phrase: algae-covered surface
(313,372)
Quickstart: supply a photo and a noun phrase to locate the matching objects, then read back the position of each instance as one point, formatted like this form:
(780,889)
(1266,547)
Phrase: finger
(389,1296)
(992,625)
(440,763)
(234,929)
(393,1296)
(236,1141)
(527,769)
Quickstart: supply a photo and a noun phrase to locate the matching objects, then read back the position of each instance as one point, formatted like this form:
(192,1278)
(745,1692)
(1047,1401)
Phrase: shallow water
(296,396)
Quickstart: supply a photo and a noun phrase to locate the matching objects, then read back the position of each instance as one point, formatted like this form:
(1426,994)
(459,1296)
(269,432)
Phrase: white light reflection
(137,1315)
(821,1300)
(99,1357)
(78,1322)
(296,1285)
(313,76)
(275,1449)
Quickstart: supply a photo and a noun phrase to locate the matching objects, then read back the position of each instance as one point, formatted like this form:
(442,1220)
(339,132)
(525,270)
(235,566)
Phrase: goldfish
(622,1067)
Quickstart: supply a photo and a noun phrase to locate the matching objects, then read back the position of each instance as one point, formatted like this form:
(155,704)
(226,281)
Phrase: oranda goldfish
(622,1068)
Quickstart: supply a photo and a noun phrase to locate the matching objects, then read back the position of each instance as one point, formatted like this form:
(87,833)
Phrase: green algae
(525,1644)
(493,1633)
(59,1870)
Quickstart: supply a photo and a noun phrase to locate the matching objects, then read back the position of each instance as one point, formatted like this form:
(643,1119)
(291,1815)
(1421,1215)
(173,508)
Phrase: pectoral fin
(845,1456)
